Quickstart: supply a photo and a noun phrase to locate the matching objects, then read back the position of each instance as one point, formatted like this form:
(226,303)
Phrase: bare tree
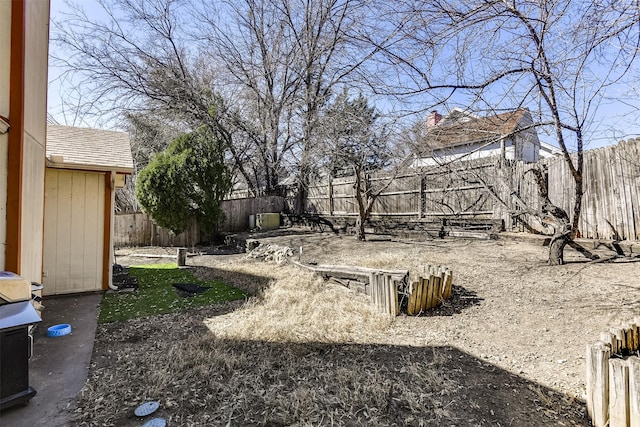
(555,56)
(357,144)
(284,58)
(257,72)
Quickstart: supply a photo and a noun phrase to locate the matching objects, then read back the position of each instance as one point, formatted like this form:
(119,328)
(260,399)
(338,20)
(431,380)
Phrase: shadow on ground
(249,283)
(203,380)
(461,299)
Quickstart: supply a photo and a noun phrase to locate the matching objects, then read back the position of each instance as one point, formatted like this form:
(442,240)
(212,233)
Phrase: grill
(17,316)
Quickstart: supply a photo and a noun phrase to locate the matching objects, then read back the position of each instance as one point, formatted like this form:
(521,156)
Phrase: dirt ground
(509,346)
(520,314)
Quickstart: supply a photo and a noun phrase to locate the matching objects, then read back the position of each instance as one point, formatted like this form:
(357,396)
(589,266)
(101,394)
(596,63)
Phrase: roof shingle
(474,130)
(89,149)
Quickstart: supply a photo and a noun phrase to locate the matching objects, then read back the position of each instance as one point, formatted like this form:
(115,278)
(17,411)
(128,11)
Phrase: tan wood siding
(74,218)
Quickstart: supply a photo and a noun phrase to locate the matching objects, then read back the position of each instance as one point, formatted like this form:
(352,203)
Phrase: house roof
(473,129)
(88,149)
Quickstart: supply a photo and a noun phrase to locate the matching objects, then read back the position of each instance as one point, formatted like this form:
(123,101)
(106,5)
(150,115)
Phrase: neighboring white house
(548,150)
(466,136)
(83,169)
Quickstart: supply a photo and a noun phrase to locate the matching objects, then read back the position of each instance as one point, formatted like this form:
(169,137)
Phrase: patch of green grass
(156,294)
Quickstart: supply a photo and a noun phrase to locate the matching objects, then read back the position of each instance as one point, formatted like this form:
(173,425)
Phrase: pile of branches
(271,253)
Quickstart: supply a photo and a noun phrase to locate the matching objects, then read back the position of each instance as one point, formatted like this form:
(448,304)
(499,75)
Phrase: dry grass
(292,356)
(300,307)
(302,353)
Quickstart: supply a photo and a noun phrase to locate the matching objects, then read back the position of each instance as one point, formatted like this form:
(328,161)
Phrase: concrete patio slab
(59,366)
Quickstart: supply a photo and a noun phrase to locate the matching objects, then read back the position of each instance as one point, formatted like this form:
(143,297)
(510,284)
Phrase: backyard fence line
(484,190)
(613,377)
(501,190)
(138,229)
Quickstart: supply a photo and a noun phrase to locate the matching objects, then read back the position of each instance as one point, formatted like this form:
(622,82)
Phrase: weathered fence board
(613,377)
(137,229)
(433,287)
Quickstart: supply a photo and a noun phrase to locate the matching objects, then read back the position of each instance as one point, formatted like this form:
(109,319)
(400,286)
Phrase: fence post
(634,390)
(618,393)
(182,257)
(330,191)
(598,383)
(421,196)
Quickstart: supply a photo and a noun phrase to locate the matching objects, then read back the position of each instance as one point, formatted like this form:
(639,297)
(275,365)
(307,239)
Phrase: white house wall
(467,152)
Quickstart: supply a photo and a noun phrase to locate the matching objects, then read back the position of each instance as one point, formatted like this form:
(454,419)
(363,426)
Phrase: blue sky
(616,118)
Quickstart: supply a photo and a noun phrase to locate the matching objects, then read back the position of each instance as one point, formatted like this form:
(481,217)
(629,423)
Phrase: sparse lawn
(507,349)
(156,294)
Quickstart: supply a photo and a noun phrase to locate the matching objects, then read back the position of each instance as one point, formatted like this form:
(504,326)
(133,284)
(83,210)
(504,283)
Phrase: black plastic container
(15,351)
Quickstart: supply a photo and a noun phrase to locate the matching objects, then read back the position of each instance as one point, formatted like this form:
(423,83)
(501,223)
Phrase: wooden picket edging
(433,287)
(381,285)
(390,290)
(384,293)
(613,377)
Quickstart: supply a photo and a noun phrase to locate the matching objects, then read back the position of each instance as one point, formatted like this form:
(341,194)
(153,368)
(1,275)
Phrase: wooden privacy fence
(613,377)
(500,190)
(138,229)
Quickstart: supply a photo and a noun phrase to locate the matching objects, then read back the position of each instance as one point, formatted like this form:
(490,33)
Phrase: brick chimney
(433,118)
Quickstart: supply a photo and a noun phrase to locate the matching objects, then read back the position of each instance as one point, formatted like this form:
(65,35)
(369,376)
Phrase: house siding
(5,54)
(24,43)
(74,225)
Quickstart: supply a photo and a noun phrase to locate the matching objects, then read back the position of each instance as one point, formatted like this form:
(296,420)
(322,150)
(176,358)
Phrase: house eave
(468,143)
(91,168)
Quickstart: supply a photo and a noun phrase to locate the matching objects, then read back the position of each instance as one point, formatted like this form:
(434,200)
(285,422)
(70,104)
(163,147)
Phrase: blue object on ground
(146,408)
(59,330)
(155,422)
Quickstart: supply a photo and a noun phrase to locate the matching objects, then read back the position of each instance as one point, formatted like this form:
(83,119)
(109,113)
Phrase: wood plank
(437,291)
(448,285)
(393,295)
(634,151)
(395,301)
(618,393)
(428,286)
(413,296)
(352,272)
(597,381)
(636,336)
(419,296)
(621,335)
(424,284)
(433,288)
(609,339)
(443,283)
(634,391)
(384,293)
(374,289)
(627,194)
(628,333)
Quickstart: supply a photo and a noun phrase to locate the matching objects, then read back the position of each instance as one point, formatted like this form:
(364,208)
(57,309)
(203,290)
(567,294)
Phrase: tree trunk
(360,234)
(556,248)
(301,198)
